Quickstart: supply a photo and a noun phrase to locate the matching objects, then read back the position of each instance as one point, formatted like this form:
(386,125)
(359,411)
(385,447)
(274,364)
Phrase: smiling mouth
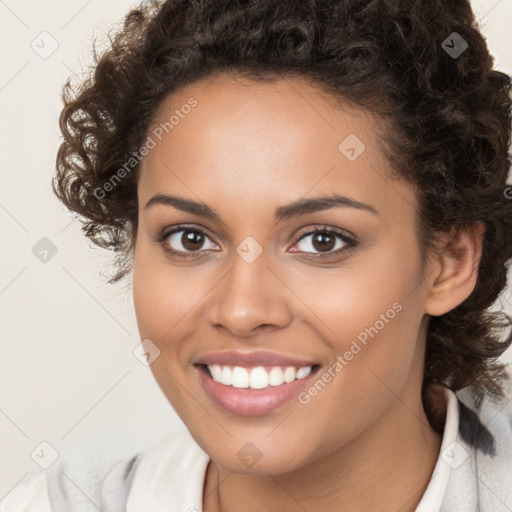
(256,377)
(253,383)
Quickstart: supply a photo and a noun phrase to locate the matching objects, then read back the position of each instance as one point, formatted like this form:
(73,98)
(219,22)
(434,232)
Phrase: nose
(249,299)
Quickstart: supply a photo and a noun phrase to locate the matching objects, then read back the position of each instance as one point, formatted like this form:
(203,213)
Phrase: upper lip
(259,358)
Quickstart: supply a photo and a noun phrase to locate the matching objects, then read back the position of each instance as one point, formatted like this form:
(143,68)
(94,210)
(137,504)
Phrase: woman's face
(262,169)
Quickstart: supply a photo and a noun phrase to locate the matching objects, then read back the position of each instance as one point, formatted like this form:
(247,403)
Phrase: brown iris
(192,240)
(323,241)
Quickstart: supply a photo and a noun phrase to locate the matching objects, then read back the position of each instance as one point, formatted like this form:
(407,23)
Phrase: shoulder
(62,488)
(485,435)
(29,495)
(88,483)
(170,476)
(486,424)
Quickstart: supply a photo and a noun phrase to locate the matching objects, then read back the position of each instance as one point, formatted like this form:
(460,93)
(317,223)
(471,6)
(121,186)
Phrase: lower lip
(251,402)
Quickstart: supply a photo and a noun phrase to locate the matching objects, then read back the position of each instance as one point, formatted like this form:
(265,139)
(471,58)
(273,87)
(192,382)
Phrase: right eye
(183,241)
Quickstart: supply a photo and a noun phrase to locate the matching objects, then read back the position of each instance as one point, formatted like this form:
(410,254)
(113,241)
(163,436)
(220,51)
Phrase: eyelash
(351,243)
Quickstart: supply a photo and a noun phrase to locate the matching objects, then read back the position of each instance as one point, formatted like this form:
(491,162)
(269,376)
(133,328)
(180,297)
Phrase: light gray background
(67,373)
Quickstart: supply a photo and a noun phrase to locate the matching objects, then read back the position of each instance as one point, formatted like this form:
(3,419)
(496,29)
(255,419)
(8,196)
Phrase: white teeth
(240,377)
(276,376)
(216,372)
(289,374)
(303,372)
(257,377)
(227,376)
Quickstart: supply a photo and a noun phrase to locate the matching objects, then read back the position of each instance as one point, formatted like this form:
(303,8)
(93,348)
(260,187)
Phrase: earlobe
(454,269)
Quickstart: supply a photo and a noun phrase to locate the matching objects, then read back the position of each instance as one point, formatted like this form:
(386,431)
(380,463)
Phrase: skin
(363,442)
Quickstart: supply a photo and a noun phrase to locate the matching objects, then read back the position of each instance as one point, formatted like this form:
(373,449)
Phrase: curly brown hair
(448,116)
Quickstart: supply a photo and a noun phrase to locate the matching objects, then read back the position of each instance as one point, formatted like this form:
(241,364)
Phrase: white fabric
(30,495)
(170,476)
(435,491)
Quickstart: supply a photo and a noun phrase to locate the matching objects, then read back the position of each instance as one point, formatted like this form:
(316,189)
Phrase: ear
(454,270)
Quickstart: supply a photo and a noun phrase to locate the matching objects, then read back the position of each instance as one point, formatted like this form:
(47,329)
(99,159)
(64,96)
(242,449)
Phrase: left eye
(325,241)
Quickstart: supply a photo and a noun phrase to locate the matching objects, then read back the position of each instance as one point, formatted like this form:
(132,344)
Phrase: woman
(312,197)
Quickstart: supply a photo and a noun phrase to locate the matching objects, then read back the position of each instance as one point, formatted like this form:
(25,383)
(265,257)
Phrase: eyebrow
(294,209)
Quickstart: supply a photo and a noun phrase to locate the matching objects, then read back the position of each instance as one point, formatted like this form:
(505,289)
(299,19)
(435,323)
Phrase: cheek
(163,294)
(168,305)
(369,315)
(378,289)
(164,298)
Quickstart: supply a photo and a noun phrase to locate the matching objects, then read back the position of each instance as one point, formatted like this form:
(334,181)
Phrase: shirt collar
(450,455)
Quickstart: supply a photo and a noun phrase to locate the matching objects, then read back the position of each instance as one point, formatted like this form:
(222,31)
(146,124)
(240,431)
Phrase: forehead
(273,141)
